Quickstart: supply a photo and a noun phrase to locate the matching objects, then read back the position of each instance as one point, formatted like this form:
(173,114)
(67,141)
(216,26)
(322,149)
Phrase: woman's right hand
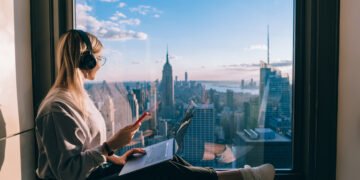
(123,137)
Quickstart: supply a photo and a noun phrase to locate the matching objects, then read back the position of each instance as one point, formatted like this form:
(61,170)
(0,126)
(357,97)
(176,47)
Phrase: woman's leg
(180,160)
(263,172)
(230,175)
(176,169)
(222,175)
(101,172)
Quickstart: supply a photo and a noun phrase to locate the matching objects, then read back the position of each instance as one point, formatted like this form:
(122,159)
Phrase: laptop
(155,154)
(160,152)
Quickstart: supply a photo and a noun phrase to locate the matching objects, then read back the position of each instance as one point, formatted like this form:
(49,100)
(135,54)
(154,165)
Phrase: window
(233,60)
(316,40)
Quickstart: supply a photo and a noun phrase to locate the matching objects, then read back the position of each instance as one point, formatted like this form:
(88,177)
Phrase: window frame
(315,90)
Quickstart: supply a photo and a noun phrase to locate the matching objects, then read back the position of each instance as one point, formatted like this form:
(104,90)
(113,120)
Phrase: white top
(69,146)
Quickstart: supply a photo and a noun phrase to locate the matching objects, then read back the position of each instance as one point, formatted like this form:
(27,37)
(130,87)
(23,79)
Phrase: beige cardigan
(69,146)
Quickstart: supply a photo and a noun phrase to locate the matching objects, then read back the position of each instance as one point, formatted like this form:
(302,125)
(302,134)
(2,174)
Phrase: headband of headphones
(86,40)
(87,59)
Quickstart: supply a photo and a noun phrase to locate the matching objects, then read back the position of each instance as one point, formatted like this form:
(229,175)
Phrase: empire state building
(167,90)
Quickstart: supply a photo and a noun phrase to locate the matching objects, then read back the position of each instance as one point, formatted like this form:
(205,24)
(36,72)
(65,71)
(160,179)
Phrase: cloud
(135,62)
(261,47)
(102,28)
(133,22)
(83,8)
(174,57)
(282,63)
(255,66)
(117,15)
(241,66)
(162,60)
(122,4)
(109,1)
(116,33)
(242,69)
(146,10)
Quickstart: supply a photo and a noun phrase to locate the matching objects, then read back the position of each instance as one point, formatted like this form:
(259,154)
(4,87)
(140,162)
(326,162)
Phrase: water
(222,86)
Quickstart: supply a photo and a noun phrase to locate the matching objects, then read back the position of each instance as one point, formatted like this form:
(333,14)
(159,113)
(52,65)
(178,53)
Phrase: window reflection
(242,105)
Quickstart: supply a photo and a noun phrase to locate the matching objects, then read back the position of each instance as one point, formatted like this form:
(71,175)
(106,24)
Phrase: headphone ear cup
(87,61)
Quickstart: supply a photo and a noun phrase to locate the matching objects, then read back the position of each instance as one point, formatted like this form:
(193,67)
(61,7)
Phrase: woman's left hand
(121,160)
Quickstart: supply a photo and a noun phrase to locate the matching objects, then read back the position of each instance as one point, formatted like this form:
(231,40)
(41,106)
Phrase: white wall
(348,141)
(17,156)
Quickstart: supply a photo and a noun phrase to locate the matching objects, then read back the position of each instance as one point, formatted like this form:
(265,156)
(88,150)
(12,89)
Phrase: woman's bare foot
(263,172)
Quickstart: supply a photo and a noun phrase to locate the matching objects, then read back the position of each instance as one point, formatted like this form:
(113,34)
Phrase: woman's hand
(121,160)
(123,136)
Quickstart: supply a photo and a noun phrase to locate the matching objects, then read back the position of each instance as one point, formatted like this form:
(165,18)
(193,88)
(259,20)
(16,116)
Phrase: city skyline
(162,55)
(135,35)
(224,119)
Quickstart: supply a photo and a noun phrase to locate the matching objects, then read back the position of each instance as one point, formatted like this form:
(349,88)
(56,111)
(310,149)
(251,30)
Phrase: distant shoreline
(220,86)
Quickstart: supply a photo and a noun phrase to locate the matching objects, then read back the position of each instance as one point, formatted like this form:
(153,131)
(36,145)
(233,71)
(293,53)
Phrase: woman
(70,131)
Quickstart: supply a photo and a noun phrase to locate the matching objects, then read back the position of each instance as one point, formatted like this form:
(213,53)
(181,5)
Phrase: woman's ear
(85,73)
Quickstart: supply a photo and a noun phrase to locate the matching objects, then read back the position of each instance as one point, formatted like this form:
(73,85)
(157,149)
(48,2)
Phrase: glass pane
(231,61)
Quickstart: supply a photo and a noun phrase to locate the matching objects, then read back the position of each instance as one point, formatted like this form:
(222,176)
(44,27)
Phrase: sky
(209,39)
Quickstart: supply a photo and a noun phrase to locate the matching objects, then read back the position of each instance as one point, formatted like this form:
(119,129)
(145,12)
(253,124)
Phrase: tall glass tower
(200,131)
(133,102)
(275,102)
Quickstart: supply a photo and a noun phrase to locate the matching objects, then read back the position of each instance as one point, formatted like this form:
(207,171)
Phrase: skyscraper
(269,147)
(230,99)
(265,71)
(268,45)
(140,97)
(264,67)
(134,106)
(251,113)
(167,90)
(163,127)
(275,100)
(227,123)
(200,131)
(186,76)
(153,106)
(118,93)
(215,99)
(108,112)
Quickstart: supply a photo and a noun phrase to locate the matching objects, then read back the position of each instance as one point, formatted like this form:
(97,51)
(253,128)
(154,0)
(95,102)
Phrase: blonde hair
(69,85)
